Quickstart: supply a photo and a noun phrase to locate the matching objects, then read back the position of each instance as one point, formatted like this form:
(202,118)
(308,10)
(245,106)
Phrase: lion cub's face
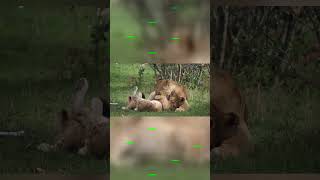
(176,100)
(132,102)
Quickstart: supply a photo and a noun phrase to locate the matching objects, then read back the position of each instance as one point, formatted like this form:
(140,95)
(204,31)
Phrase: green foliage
(267,50)
(140,75)
(192,75)
(266,47)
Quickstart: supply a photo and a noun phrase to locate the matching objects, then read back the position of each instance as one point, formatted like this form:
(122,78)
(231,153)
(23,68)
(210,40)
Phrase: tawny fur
(97,132)
(165,88)
(227,98)
(191,49)
(164,101)
(83,130)
(173,138)
(140,104)
(223,126)
(178,103)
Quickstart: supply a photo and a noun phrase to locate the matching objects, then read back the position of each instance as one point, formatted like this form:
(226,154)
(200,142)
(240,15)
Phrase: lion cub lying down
(167,95)
(83,130)
(139,104)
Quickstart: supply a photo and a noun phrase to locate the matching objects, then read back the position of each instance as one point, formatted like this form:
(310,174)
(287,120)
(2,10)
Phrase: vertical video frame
(160,89)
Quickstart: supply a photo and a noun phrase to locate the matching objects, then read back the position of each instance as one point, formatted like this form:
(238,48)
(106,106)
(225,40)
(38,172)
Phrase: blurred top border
(265,2)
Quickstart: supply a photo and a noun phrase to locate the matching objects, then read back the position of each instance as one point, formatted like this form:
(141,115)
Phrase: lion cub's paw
(179,110)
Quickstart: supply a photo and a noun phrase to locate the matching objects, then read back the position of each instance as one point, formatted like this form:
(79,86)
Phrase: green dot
(152,22)
(130,142)
(152,52)
(152,174)
(175,38)
(131,37)
(152,129)
(197,146)
(175,161)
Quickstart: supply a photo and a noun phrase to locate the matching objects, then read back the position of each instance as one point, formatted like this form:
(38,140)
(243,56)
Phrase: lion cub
(82,129)
(139,104)
(174,96)
(178,103)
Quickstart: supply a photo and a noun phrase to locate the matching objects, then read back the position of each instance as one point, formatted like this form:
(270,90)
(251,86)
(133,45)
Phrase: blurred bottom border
(215,177)
(55,177)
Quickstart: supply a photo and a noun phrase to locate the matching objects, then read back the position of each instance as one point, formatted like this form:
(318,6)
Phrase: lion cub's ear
(129,98)
(141,95)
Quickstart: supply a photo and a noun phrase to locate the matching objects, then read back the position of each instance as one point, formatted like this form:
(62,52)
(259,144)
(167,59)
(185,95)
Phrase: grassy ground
(285,126)
(124,49)
(34,39)
(170,172)
(122,78)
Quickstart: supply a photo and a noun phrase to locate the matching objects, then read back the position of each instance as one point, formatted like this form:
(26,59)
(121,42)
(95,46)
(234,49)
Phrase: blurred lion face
(175,100)
(186,138)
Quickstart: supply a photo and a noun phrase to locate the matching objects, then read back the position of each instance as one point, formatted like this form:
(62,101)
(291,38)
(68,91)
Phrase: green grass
(33,90)
(122,25)
(122,78)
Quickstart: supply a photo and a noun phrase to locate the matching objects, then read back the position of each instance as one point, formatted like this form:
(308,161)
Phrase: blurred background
(45,47)
(172,148)
(273,53)
(175,31)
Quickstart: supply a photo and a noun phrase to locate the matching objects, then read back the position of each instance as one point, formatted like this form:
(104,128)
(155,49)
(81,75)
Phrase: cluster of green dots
(152,22)
(173,161)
